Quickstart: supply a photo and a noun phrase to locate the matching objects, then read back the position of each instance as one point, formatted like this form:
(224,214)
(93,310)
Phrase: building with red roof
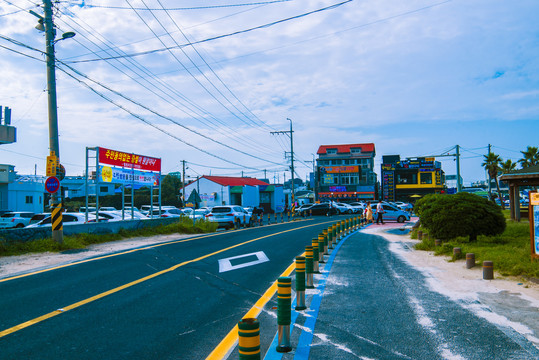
(243,191)
(346,172)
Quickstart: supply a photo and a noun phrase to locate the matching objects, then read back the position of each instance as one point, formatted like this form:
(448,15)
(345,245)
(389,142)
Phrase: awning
(269,188)
(236,190)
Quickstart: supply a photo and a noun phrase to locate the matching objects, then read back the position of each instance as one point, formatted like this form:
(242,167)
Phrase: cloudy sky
(413,77)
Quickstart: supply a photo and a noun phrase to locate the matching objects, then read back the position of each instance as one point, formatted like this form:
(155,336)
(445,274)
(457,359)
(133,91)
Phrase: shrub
(463,214)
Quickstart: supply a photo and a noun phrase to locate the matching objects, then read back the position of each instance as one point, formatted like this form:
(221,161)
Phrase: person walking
(368,213)
(379,212)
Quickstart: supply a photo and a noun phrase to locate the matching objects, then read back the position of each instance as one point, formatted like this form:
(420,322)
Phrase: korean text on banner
(127,176)
(130,161)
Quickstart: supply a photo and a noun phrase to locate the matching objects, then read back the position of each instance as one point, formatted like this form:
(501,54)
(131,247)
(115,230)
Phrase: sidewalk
(321,332)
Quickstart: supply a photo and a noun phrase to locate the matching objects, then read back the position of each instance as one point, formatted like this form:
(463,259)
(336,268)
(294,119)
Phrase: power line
(188,8)
(221,36)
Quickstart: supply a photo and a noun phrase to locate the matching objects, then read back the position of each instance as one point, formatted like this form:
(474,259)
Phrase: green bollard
(316,269)
(321,249)
(300,283)
(324,236)
(330,238)
(249,339)
(309,283)
(334,229)
(284,313)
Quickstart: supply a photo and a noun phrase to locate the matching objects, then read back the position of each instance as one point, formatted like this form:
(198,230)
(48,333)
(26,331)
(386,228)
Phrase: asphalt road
(180,299)
(161,302)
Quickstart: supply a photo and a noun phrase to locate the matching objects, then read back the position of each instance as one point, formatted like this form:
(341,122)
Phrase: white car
(15,219)
(68,218)
(342,208)
(228,215)
(351,209)
(166,212)
(199,214)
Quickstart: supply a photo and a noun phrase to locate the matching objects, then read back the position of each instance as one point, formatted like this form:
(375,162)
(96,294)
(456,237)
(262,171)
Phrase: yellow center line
(128,285)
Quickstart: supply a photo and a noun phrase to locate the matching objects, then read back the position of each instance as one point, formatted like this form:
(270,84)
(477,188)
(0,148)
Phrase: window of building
(29,200)
(407,178)
(349,178)
(355,150)
(426,178)
(103,189)
(331,151)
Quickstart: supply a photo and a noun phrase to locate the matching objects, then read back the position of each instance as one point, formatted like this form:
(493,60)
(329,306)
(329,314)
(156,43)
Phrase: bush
(463,214)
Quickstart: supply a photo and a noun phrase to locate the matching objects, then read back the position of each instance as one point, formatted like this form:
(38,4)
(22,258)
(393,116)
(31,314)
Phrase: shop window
(426,178)
(29,200)
(407,179)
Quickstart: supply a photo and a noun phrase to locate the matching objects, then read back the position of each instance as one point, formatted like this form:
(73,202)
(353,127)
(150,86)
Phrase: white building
(224,190)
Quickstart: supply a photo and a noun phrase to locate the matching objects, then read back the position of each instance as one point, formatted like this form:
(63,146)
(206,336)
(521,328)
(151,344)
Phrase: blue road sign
(52,184)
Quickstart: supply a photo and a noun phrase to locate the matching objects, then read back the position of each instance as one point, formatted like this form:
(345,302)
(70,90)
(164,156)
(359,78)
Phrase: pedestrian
(379,212)
(368,213)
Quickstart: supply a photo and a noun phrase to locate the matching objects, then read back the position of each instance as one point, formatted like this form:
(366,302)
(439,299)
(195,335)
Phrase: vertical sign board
(534,223)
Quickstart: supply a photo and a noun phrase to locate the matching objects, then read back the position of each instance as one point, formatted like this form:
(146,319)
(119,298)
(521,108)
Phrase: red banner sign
(130,161)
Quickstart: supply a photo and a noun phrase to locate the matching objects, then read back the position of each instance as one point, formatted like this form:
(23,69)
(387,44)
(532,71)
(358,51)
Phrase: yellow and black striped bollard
(309,281)
(321,249)
(284,313)
(316,268)
(300,283)
(56,217)
(249,339)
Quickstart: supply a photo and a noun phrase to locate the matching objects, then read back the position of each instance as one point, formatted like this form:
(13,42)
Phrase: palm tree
(507,166)
(531,157)
(492,165)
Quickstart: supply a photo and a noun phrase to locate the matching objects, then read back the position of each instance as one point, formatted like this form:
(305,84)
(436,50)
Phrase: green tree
(507,166)
(170,191)
(531,157)
(464,214)
(492,164)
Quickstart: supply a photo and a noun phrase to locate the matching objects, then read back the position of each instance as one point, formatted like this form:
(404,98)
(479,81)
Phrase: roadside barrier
(284,313)
(488,270)
(249,339)
(456,252)
(334,231)
(300,283)
(321,249)
(289,216)
(470,260)
(316,269)
(309,267)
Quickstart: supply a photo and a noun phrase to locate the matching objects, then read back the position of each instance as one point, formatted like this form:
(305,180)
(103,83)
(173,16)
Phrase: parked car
(107,208)
(392,213)
(166,212)
(38,217)
(15,219)
(303,207)
(349,208)
(68,218)
(359,206)
(114,215)
(199,214)
(227,215)
(321,209)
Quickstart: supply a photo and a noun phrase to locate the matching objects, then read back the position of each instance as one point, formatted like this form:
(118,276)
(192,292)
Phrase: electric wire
(156,113)
(229,130)
(222,36)
(190,8)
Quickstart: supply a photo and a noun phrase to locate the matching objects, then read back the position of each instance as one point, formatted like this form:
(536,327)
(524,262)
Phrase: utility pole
(489,179)
(54,147)
(459,184)
(183,181)
(290,134)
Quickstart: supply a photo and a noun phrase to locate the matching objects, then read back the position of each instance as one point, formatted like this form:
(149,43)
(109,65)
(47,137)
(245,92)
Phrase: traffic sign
(52,184)
(52,164)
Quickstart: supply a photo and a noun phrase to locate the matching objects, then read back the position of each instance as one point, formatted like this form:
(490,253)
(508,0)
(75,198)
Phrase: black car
(320,209)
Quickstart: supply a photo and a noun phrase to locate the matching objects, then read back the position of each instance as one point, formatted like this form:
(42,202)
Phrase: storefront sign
(130,161)
(340,169)
(127,176)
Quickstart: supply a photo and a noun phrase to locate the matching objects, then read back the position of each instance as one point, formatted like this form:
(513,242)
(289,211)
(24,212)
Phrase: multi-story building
(345,172)
(405,180)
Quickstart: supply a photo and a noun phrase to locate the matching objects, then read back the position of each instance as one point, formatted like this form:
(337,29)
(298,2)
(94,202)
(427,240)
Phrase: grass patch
(510,252)
(81,241)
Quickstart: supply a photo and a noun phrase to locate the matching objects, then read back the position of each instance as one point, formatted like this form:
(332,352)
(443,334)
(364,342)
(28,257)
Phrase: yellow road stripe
(123,287)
